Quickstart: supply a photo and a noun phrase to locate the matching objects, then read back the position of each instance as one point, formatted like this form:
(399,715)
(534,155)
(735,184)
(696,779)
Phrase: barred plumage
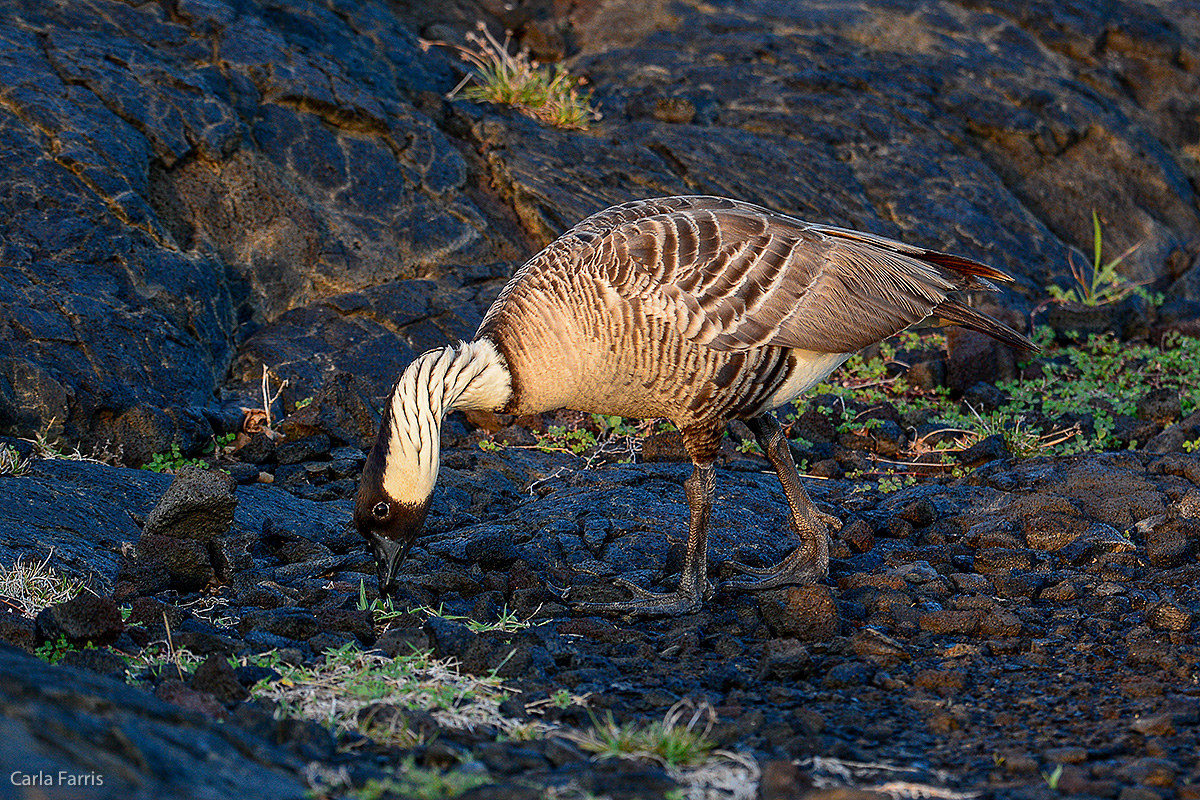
(696,309)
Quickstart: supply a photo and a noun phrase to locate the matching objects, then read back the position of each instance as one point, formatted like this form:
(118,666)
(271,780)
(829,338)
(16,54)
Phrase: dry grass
(30,585)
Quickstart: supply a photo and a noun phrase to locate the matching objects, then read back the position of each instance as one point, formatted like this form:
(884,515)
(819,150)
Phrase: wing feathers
(735,276)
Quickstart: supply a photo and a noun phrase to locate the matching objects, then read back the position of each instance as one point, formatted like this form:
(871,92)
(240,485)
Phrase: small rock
(972,357)
(1154,725)
(927,375)
(199,504)
(257,449)
(878,648)
(343,408)
(1094,542)
(289,622)
(251,674)
(1173,543)
(847,675)
(180,694)
(1173,438)
(1066,755)
(1160,405)
(951,621)
(307,448)
(983,451)
(1167,615)
(360,624)
(86,618)
(102,662)
(786,660)
(983,396)
(216,677)
(18,631)
(858,536)
(808,613)
(186,561)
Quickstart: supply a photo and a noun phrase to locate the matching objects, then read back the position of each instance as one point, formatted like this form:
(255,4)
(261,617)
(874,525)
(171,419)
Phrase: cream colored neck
(472,375)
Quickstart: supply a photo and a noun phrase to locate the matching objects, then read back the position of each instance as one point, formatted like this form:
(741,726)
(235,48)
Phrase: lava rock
(216,677)
(186,561)
(82,620)
(101,662)
(785,660)
(199,504)
(987,449)
(808,613)
(343,409)
(289,622)
(180,694)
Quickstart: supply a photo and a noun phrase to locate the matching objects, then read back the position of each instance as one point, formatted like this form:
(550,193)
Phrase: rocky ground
(975,633)
(195,193)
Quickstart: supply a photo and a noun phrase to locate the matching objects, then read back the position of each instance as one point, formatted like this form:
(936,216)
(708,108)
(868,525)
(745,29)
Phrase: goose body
(698,310)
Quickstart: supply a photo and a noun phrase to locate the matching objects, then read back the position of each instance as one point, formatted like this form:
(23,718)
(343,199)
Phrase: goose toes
(805,565)
(646,603)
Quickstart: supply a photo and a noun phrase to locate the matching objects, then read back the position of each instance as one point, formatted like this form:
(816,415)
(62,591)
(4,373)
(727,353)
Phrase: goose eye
(380,511)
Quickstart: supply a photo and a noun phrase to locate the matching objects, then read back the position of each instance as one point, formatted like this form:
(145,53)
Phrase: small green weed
(53,652)
(550,95)
(384,611)
(1052,778)
(1100,284)
(172,461)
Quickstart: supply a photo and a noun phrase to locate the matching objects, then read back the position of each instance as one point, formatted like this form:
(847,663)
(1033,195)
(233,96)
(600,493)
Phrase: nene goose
(695,309)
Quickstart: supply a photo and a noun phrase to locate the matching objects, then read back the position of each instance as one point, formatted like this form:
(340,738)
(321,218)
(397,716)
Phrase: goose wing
(735,276)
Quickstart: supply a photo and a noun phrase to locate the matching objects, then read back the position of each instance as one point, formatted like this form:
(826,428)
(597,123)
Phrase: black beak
(388,555)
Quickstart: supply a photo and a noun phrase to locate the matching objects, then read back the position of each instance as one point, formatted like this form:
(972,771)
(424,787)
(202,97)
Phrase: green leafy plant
(172,461)
(1099,283)
(551,95)
(53,652)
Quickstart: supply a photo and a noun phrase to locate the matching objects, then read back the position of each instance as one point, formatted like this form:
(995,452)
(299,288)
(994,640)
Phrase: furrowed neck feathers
(472,375)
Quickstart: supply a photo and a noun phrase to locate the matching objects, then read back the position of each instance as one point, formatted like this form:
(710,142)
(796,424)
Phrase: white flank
(811,369)
(472,375)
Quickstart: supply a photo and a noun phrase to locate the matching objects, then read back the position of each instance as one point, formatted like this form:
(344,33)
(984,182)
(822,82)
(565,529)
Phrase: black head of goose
(698,310)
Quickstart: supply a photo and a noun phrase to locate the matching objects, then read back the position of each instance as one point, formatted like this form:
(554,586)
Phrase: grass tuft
(672,742)
(30,586)
(351,680)
(551,95)
(11,463)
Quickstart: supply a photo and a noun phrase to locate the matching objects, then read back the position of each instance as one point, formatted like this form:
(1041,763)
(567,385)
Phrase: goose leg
(809,562)
(693,583)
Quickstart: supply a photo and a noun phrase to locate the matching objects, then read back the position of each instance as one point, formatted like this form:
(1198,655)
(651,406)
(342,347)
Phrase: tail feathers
(968,317)
(965,266)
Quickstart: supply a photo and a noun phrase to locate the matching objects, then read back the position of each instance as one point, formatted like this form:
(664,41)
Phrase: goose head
(390,526)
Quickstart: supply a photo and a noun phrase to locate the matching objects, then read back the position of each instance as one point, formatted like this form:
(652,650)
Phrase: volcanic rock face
(179,179)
